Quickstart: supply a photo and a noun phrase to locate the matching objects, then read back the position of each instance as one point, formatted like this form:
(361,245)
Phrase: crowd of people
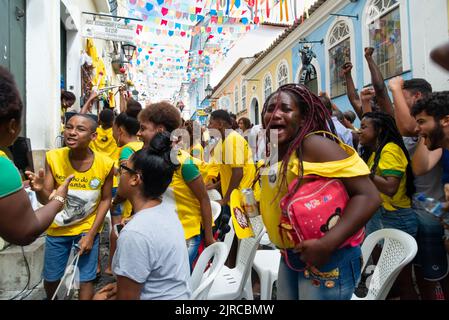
(152,171)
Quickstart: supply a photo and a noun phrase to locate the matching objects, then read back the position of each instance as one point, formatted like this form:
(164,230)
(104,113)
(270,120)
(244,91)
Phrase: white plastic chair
(398,250)
(201,281)
(232,284)
(216,209)
(214,195)
(266,264)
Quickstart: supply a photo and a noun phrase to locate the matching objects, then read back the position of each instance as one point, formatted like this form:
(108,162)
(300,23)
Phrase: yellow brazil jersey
(187,205)
(84,194)
(272,191)
(235,153)
(393,163)
(126,152)
(2,154)
(105,144)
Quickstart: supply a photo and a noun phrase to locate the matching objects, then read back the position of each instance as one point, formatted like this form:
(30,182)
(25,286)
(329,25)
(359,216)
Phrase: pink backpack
(314,209)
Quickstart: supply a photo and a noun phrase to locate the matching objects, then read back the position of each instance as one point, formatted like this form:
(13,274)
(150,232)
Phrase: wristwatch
(59,198)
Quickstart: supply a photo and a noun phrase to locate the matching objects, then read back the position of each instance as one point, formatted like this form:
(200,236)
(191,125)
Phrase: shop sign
(108,30)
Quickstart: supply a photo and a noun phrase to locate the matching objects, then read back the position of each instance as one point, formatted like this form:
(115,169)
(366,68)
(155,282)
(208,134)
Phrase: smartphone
(118,228)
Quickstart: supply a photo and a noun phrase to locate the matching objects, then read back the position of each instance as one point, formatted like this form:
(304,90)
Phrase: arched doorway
(254,113)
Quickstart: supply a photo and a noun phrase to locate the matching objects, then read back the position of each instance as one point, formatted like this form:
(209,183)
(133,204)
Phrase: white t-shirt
(151,250)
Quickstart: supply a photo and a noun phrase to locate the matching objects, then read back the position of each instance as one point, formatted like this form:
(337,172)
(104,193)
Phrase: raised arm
(405,122)
(366,95)
(123,99)
(440,55)
(351,91)
(383,99)
(424,160)
(88,105)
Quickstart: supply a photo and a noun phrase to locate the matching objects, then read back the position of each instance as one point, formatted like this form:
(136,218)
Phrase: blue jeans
(403,219)
(431,256)
(336,280)
(57,252)
(193,245)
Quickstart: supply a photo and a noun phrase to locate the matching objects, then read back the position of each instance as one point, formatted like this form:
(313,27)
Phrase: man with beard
(430,262)
(432,118)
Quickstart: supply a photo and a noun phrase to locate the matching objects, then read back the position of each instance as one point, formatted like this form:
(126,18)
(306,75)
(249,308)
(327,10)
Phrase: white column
(43,72)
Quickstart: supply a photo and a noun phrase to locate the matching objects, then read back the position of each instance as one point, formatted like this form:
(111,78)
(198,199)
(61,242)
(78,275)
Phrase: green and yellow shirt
(393,163)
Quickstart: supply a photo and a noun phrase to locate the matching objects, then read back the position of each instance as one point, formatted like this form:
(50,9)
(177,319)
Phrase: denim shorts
(431,256)
(336,280)
(118,208)
(57,252)
(403,219)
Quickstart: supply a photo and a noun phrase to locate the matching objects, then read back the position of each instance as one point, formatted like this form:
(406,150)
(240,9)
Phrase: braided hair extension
(387,131)
(315,117)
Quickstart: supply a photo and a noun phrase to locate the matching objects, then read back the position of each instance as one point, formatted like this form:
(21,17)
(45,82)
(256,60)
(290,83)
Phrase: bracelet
(59,198)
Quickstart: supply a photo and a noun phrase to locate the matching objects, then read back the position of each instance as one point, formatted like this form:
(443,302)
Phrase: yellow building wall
(257,82)
(229,91)
(272,69)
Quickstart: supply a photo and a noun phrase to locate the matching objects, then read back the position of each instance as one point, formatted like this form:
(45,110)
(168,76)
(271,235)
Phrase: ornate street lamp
(128,50)
(208,91)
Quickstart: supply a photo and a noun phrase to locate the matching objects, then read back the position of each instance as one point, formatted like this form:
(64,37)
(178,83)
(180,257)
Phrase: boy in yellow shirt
(88,200)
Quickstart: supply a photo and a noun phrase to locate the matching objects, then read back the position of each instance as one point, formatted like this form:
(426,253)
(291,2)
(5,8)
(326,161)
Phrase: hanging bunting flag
(164,11)
(164,22)
(139,29)
(149,6)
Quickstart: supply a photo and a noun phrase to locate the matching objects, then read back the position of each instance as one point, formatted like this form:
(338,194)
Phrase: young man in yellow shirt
(237,168)
(88,200)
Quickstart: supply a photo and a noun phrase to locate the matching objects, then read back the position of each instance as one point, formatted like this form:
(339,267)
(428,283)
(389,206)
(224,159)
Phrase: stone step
(13,270)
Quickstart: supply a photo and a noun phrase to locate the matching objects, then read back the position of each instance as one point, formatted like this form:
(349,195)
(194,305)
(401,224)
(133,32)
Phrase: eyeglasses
(123,167)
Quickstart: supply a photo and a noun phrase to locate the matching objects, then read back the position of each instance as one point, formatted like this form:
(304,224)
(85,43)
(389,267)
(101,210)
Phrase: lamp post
(208,91)
(128,50)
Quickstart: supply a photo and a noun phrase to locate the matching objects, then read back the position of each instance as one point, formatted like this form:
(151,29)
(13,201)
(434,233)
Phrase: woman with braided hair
(384,151)
(317,269)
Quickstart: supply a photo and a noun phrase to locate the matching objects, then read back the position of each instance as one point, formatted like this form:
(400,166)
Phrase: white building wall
(247,46)
(43,63)
(42,72)
(428,29)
